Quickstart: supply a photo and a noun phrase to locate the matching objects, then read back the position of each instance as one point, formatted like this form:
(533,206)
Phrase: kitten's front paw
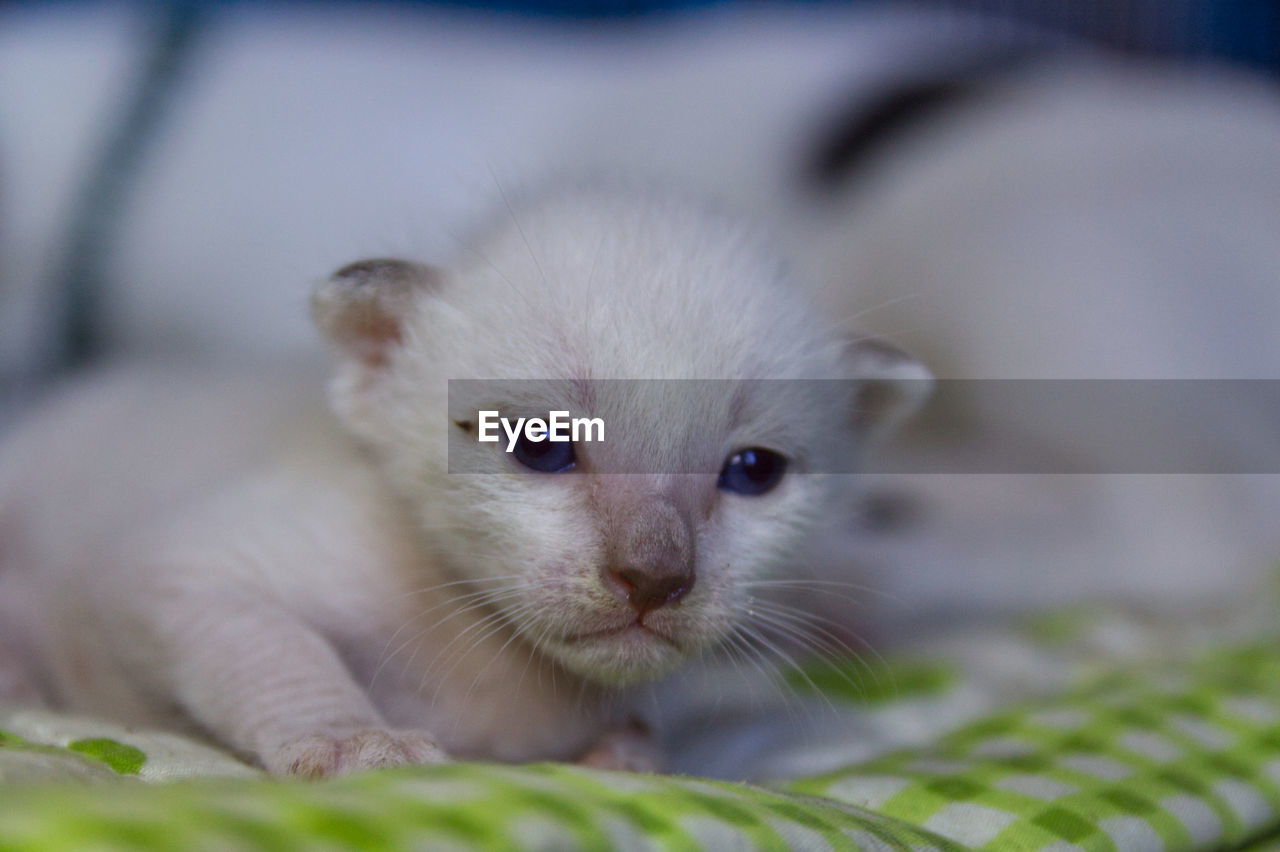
(322,755)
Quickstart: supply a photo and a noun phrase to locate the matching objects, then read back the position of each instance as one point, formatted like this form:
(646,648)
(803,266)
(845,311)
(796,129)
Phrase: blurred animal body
(1072,220)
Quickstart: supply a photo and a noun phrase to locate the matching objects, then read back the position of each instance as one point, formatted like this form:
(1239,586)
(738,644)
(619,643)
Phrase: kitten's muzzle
(650,559)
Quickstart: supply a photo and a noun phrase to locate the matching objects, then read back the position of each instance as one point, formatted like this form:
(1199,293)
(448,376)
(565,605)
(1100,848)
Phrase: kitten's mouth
(623,653)
(635,630)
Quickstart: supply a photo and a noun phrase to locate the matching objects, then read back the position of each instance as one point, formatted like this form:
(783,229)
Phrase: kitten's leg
(266,683)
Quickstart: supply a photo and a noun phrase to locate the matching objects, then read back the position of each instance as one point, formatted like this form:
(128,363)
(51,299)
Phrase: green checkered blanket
(1085,730)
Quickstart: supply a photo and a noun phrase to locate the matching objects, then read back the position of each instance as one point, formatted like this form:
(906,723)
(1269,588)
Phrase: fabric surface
(1177,758)
(1145,733)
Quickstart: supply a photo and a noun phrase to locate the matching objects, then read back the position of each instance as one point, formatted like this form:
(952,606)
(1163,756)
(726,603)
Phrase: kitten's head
(627,555)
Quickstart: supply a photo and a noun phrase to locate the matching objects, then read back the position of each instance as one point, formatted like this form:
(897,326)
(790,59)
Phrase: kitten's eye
(752,471)
(544,456)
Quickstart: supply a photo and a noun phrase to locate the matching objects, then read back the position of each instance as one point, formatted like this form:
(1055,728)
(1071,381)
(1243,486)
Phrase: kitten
(1071,220)
(319,592)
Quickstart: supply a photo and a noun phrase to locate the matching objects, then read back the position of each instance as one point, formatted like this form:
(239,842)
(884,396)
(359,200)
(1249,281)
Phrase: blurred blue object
(1246,32)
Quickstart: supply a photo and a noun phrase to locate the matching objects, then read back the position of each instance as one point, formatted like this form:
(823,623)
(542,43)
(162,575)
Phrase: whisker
(591,278)
(481,602)
(495,622)
(745,637)
(582,694)
(825,653)
(790,661)
(484,596)
(384,658)
(814,621)
(469,582)
(536,644)
(515,634)
(387,655)
(520,230)
(479,624)
(480,599)
(475,625)
(729,655)
(812,632)
(856,315)
(473,599)
(825,586)
(810,620)
(738,658)
(533,645)
(479,255)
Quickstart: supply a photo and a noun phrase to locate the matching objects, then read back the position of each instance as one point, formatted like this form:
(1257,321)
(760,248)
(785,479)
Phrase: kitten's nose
(651,586)
(650,560)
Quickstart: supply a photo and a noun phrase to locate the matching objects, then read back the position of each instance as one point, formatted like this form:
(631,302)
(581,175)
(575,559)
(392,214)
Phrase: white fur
(188,550)
(1085,222)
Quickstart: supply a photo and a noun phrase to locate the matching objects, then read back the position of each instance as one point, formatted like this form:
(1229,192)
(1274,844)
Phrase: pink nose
(650,555)
(651,586)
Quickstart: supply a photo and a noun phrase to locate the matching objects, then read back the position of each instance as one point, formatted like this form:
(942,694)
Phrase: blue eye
(752,471)
(544,456)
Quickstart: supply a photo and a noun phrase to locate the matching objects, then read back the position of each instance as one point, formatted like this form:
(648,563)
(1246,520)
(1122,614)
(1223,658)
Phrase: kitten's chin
(618,656)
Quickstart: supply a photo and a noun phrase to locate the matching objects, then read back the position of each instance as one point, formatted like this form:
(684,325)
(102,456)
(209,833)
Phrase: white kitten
(322,594)
(1087,222)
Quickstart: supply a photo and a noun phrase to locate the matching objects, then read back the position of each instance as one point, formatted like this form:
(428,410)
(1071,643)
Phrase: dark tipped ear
(892,385)
(361,308)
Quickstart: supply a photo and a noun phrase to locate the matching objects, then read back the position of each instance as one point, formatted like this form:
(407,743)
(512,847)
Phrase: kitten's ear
(892,385)
(361,308)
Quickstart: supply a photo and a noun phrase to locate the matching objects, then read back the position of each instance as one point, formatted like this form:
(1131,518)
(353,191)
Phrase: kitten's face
(623,572)
(618,559)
